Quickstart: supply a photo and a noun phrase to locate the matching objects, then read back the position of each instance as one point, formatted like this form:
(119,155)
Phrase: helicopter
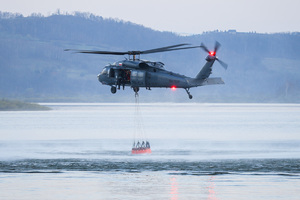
(137,73)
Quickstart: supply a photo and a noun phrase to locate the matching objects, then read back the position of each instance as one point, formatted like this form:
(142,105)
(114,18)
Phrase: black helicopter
(137,73)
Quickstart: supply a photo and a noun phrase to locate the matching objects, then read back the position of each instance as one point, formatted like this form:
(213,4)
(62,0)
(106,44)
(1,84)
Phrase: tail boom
(208,81)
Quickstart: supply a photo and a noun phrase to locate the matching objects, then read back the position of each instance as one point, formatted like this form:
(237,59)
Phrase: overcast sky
(180,16)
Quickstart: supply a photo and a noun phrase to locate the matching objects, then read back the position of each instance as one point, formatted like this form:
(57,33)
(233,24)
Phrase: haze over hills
(262,67)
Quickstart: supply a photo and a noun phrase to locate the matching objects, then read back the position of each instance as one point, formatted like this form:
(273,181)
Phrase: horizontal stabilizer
(213,81)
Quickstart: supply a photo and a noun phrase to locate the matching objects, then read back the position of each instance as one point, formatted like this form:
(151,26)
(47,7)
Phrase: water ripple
(282,167)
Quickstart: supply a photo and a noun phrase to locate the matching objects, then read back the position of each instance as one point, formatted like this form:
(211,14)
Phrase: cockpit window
(104,71)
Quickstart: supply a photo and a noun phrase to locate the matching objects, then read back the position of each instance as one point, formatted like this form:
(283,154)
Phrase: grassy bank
(13,105)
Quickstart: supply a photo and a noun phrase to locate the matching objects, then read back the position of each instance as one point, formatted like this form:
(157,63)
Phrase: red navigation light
(212,53)
(173,87)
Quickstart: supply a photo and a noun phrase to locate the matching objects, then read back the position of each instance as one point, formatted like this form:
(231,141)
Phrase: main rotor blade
(98,52)
(171,49)
(204,48)
(162,48)
(224,65)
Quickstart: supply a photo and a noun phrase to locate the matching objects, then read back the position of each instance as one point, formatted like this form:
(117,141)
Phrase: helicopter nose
(99,77)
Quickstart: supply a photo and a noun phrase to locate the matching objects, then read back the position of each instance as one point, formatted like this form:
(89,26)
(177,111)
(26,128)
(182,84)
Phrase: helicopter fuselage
(141,74)
(138,73)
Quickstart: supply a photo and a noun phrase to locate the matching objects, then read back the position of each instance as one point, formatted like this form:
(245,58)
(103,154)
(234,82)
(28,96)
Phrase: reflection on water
(174,188)
(211,189)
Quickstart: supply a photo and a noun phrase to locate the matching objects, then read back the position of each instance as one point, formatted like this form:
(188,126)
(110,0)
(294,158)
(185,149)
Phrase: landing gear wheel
(113,89)
(187,91)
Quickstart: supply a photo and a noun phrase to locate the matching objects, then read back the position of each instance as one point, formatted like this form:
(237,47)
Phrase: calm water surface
(199,151)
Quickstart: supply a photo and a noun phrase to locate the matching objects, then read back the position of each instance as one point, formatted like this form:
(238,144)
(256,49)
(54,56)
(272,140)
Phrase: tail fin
(206,69)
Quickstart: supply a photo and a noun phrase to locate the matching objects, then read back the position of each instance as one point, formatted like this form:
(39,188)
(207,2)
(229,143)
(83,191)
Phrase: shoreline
(15,105)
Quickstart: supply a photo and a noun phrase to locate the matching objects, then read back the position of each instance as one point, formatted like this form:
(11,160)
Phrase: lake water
(199,151)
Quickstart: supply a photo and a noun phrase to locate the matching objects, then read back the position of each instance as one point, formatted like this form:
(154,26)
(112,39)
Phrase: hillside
(262,67)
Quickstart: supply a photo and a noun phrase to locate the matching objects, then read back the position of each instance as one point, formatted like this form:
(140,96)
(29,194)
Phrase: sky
(183,17)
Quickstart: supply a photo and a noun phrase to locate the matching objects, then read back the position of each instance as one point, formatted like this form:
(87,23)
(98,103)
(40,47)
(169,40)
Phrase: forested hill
(262,67)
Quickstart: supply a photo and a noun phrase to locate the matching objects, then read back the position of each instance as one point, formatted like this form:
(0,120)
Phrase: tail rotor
(212,54)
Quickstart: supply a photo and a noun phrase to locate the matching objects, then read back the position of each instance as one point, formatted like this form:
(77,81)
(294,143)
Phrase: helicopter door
(111,73)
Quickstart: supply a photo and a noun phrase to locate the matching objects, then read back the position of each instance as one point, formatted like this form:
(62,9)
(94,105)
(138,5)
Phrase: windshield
(104,71)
